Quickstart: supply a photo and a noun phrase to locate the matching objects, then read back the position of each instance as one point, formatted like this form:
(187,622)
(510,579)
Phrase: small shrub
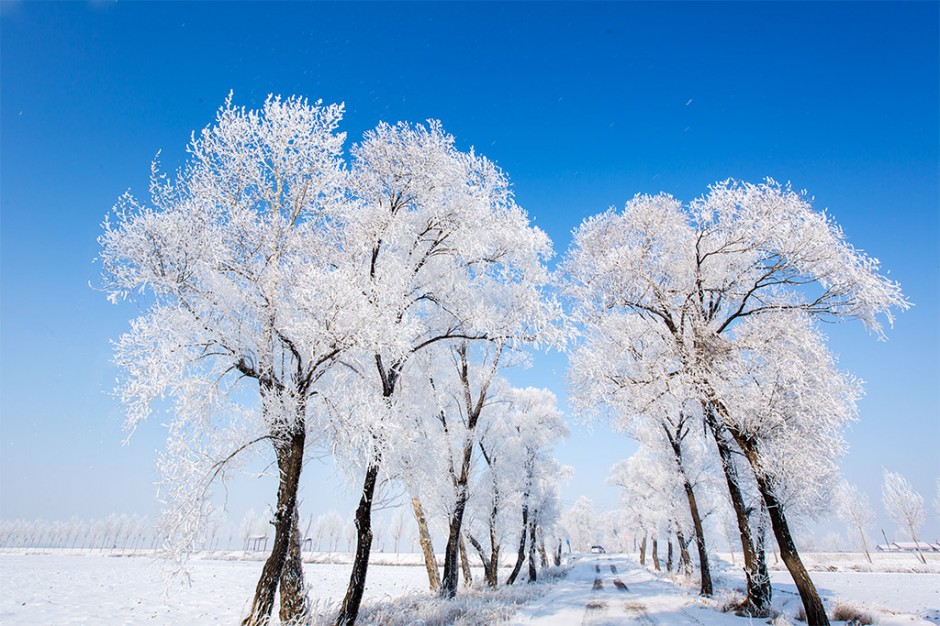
(849,613)
(550,574)
(732,601)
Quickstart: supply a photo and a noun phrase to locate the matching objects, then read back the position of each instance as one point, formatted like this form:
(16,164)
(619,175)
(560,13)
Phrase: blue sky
(583,105)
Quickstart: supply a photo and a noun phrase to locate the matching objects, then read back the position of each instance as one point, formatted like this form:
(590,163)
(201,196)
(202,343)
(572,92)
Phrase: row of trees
(701,342)
(296,302)
(901,502)
(114,532)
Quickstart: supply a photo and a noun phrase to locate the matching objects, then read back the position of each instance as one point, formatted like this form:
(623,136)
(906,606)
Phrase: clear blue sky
(583,105)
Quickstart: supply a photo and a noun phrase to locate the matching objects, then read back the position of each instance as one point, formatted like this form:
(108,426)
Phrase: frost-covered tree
(854,508)
(580,522)
(329,527)
(651,490)
(245,307)
(904,505)
(497,489)
(444,254)
(688,276)
(459,419)
(539,426)
(643,398)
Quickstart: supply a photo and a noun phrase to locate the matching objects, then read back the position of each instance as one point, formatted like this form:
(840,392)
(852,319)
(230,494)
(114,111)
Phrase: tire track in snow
(637,611)
(596,609)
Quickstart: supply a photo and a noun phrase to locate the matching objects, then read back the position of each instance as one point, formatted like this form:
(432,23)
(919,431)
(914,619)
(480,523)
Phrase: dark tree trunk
(491,563)
(533,574)
(520,556)
(759,591)
(290,454)
(294,605)
(558,555)
(495,548)
(349,610)
(489,567)
(424,537)
(654,555)
(465,564)
(669,555)
(685,562)
(812,604)
(643,551)
(706,588)
(699,536)
(449,580)
(462,479)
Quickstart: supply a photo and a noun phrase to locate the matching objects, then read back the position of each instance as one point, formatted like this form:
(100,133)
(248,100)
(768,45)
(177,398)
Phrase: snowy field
(896,588)
(39,589)
(93,589)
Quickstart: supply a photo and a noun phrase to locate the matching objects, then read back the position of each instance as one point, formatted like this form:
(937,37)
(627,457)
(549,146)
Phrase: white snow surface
(893,598)
(63,589)
(52,589)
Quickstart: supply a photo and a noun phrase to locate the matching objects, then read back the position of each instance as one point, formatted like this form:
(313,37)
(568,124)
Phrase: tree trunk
(543,555)
(861,532)
(685,561)
(812,604)
(349,611)
(290,455)
(759,591)
(533,574)
(558,555)
(427,548)
(655,555)
(492,576)
(699,536)
(917,543)
(294,605)
(706,588)
(465,564)
(643,551)
(490,563)
(449,580)
(520,556)
(489,568)
(462,479)
(815,612)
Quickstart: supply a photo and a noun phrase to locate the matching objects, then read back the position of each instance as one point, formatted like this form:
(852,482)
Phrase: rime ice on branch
(245,308)
(714,302)
(265,263)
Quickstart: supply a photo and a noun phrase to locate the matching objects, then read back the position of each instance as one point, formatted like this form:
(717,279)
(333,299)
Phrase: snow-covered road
(605,590)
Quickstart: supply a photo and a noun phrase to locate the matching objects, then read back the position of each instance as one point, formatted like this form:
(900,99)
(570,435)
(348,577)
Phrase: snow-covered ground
(39,589)
(51,589)
(615,589)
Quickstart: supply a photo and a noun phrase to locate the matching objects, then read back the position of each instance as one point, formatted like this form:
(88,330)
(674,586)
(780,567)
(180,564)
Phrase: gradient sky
(583,105)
